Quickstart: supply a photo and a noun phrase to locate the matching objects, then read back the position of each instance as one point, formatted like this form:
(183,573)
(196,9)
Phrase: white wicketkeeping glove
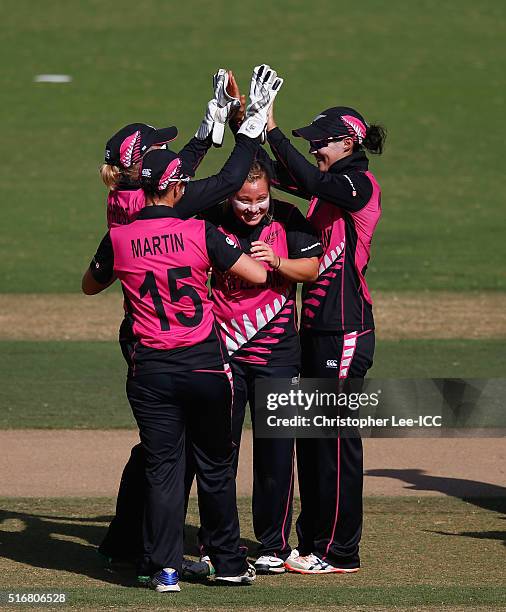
(218,110)
(264,86)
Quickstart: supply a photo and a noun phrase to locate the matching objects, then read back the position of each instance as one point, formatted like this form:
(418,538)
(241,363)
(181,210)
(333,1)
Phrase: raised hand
(264,87)
(219,110)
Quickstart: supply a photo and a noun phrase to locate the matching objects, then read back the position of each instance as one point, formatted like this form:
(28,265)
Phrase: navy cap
(128,145)
(335,122)
(161,167)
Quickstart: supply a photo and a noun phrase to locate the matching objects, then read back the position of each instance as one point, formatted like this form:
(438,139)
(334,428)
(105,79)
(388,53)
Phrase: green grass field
(431,71)
(417,552)
(81,384)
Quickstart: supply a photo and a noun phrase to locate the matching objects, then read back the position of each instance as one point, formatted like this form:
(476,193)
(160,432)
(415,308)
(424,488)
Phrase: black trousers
(273,463)
(330,470)
(165,407)
(273,479)
(123,539)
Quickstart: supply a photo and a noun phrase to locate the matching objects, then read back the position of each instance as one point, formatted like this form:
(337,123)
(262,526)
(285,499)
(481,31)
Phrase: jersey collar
(356,161)
(158,212)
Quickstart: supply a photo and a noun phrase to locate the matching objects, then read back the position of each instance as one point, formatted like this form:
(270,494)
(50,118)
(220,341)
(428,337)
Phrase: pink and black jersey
(345,207)
(346,238)
(163,262)
(259,322)
(124,204)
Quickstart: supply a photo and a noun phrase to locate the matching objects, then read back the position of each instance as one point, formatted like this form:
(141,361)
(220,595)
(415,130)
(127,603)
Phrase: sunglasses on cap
(314,145)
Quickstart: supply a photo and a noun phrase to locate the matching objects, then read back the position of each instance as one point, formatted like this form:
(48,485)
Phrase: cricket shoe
(196,570)
(246,578)
(268,564)
(309,564)
(207,559)
(166,581)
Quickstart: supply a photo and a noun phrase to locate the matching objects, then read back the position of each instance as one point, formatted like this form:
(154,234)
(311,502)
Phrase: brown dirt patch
(398,315)
(70,463)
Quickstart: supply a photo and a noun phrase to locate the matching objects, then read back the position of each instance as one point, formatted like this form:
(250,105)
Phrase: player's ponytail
(111,176)
(374,140)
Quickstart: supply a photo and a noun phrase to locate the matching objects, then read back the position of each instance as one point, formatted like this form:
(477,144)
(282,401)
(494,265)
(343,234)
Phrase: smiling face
(251,203)
(332,152)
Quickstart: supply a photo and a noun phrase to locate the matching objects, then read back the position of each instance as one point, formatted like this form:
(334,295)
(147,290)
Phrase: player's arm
(204,193)
(349,191)
(226,256)
(300,270)
(100,273)
(193,153)
(279,175)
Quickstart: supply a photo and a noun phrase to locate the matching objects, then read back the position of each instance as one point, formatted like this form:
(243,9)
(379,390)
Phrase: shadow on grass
(484,495)
(69,543)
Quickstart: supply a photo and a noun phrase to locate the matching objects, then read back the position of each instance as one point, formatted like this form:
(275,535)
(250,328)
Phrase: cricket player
(259,327)
(120,172)
(179,376)
(337,325)
(160,296)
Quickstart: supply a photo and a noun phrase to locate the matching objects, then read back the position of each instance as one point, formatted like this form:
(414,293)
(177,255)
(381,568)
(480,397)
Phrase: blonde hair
(256,172)
(112,175)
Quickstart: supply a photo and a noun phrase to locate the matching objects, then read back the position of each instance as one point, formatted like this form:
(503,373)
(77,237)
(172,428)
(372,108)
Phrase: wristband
(279,264)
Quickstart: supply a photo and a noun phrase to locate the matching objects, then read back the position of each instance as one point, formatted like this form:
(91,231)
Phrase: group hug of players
(194,354)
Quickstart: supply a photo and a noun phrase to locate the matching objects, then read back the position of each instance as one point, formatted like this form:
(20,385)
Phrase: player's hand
(237,115)
(264,87)
(218,111)
(263,252)
(271,122)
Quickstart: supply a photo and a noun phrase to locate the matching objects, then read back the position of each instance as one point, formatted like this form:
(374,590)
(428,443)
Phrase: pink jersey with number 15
(163,264)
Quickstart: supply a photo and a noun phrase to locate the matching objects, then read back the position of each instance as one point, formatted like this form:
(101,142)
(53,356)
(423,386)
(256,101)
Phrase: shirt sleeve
(280,176)
(204,193)
(102,264)
(350,191)
(301,238)
(222,250)
(193,153)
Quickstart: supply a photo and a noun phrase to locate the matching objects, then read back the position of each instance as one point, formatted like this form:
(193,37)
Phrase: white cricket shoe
(309,564)
(268,564)
(246,578)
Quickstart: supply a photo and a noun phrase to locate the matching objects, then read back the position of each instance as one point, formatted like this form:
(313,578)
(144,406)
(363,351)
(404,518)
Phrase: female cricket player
(259,327)
(337,326)
(120,172)
(162,262)
(261,95)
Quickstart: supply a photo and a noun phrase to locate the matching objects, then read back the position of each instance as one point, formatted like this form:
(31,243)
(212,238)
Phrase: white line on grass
(52,78)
